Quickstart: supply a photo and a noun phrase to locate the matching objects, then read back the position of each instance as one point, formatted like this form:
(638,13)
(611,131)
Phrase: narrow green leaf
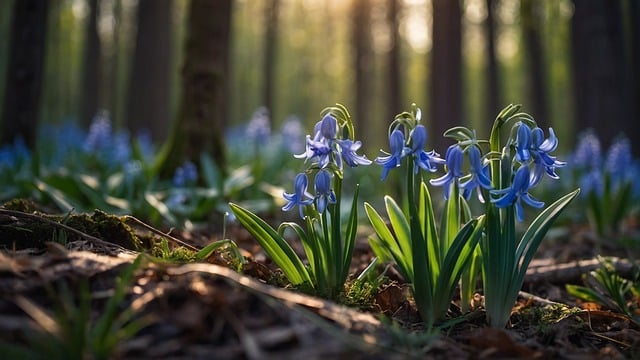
(400,227)
(535,233)
(350,236)
(275,246)
(388,241)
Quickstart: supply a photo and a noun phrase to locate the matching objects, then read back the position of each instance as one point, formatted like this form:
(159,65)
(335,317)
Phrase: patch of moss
(34,230)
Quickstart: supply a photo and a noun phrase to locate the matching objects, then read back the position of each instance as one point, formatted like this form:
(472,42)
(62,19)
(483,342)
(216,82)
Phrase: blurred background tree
(572,64)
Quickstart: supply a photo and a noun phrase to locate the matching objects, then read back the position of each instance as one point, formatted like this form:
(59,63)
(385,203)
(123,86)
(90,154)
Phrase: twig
(160,233)
(21,214)
(571,271)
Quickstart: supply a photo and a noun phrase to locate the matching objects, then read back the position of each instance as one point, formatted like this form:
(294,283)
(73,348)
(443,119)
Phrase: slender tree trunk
(205,74)
(634,64)
(148,101)
(493,76)
(394,77)
(534,59)
(601,78)
(363,64)
(91,67)
(272,9)
(446,75)
(25,72)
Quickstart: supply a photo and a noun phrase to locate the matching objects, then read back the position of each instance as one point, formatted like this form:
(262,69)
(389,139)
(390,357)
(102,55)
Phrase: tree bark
(394,77)
(91,68)
(363,64)
(25,72)
(534,60)
(446,75)
(493,76)
(601,82)
(272,9)
(148,101)
(205,75)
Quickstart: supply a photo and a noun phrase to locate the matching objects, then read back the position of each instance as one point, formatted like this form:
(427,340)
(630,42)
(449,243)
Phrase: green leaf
(350,237)
(459,133)
(535,233)
(401,229)
(274,244)
(210,172)
(388,241)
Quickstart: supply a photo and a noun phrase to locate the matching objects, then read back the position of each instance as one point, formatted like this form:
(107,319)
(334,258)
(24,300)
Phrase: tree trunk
(91,68)
(205,74)
(446,75)
(363,65)
(530,13)
(272,8)
(25,72)
(148,101)
(493,80)
(394,78)
(602,88)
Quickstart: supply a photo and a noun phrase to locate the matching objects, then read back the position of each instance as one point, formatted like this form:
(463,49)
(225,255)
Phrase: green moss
(34,230)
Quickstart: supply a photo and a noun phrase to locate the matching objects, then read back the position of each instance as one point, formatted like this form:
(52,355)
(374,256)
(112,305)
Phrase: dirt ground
(209,310)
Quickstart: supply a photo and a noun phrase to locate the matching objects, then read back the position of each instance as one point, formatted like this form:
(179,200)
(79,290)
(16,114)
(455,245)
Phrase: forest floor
(51,295)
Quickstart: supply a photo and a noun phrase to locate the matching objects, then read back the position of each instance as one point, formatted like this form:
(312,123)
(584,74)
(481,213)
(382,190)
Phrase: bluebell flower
(619,162)
(543,162)
(425,160)
(324,193)
(300,196)
(453,158)
(479,174)
(588,154)
(328,127)
(292,133)
(517,192)
(532,146)
(398,151)
(319,147)
(348,150)
(523,143)
(592,182)
(99,136)
(185,175)
(119,152)
(259,127)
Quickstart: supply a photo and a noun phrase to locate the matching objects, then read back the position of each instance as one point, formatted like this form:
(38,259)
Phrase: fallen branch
(572,271)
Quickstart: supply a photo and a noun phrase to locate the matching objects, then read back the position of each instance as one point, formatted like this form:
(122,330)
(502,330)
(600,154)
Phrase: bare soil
(209,310)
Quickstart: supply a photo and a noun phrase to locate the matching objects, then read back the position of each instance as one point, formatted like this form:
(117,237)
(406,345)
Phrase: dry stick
(160,233)
(563,273)
(21,214)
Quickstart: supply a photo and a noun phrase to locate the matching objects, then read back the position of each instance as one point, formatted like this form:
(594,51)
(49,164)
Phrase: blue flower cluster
(326,152)
(591,166)
(532,160)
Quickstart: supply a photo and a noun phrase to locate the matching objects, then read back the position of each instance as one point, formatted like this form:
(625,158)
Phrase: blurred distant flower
(120,151)
(259,127)
(619,161)
(12,155)
(146,146)
(99,136)
(592,182)
(588,154)
(185,175)
(293,135)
